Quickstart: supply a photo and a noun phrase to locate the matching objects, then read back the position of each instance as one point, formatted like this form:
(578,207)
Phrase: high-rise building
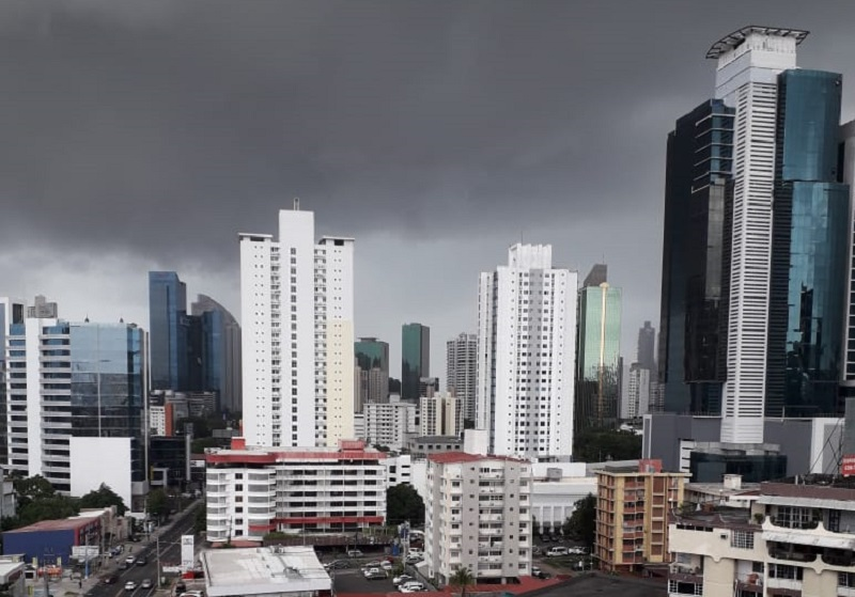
(76,392)
(461,371)
(440,414)
(636,402)
(372,362)
(415,358)
(169,329)
(220,352)
(757,224)
(390,423)
(297,318)
(646,352)
(526,354)
(847,147)
(693,320)
(811,233)
(11,312)
(494,496)
(598,352)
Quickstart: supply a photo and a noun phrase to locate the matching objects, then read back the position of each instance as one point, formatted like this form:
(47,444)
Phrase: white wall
(96,460)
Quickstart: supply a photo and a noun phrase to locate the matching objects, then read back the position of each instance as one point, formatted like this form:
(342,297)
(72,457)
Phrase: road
(170,552)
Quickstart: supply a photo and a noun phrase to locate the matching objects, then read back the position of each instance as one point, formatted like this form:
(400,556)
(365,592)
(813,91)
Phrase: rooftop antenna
(296,204)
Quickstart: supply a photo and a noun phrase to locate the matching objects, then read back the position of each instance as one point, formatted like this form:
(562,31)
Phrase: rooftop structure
(264,571)
(733,40)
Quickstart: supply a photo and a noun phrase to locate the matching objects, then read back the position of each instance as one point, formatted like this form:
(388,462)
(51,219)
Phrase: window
(785,572)
(742,539)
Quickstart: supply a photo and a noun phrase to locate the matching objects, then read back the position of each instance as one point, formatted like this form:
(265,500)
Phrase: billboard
(847,465)
(187,553)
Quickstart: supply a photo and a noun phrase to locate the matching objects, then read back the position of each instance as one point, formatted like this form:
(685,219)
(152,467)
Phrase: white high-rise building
(527,354)
(462,370)
(440,414)
(636,400)
(749,61)
(297,317)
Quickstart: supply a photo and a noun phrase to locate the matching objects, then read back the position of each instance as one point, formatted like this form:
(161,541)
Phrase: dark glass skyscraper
(695,253)
(372,359)
(167,303)
(219,354)
(809,249)
(646,352)
(415,358)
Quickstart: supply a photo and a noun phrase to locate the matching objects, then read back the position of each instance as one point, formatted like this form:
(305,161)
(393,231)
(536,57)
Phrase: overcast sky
(145,135)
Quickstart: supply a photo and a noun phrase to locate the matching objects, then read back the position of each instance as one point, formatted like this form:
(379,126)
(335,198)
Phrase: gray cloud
(149,133)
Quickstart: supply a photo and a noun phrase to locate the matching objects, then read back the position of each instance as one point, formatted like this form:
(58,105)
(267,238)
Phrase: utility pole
(157,555)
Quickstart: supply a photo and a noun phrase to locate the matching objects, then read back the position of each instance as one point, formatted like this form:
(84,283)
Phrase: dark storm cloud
(160,129)
(169,126)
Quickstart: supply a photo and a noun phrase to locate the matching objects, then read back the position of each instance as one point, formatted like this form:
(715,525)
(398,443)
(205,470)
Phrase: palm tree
(462,578)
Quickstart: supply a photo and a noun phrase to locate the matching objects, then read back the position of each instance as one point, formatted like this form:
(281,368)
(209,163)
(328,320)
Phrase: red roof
(458,457)
(63,524)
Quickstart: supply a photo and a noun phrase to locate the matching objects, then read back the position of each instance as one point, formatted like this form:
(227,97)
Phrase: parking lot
(351,580)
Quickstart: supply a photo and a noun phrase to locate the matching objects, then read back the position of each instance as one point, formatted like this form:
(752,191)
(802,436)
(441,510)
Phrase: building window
(742,539)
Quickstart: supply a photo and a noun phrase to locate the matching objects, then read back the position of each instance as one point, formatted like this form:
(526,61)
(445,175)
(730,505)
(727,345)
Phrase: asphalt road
(170,552)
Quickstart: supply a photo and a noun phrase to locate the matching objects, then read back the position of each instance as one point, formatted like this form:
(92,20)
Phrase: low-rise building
(478,516)
(798,539)
(634,506)
(56,537)
(398,469)
(275,571)
(556,487)
(731,492)
(423,446)
(251,491)
(12,576)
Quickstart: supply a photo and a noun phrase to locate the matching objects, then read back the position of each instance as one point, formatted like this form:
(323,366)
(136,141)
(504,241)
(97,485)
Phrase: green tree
(48,508)
(599,445)
(200,520)
(157,504)
(198,445)
(103,497)
(30,489)
(462,579)
(582,523)
(404,504)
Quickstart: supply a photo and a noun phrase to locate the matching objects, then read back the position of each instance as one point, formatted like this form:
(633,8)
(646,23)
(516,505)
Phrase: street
(170,552)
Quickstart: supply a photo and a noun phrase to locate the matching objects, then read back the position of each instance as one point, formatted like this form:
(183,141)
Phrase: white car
(557,552)
(404,578)
(386,565)
(130,585)
(411,587)
(130,560)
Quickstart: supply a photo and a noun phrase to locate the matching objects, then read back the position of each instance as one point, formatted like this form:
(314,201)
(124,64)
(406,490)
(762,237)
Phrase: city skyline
(534,149)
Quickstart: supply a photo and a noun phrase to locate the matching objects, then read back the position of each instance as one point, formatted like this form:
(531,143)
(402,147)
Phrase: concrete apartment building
(797,539)
(297,343)
(478,516)
(634,507)
(440,414)
(252,491)
(389,423)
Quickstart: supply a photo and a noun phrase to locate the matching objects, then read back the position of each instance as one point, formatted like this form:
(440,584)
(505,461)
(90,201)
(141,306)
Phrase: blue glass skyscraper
(169,327)
(219,360)
(809,249)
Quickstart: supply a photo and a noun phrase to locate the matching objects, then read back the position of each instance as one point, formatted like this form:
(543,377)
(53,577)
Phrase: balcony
(784,583)
(791,556)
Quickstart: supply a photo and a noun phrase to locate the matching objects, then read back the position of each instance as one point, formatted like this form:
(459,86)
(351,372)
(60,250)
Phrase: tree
(200,520)
(404,504)
(198,445)
(157,504)
(103,497)
(462,578)
(30,489)
(583,521)
(599,445)
(49,508)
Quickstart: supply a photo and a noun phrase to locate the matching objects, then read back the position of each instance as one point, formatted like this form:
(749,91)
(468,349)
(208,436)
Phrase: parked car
(556,552)
(399,580)
(130,585)
(146,583)
(375,574)
(337,564)
(412,587)
(354,553)
(386,565)
(377,564)
(111,579)
(180,588)
(414,558)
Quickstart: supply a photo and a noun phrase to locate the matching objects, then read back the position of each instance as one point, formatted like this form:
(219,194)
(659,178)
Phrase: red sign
(847,465)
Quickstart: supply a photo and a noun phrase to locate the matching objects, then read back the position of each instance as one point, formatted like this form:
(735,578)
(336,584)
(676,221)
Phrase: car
(130,585)
(414,559)
(123,565)
(386,565)
(146,583)
(377,564)
(180,588)
(556,552)
(336,565)
(194,594)
(354,553)
(412,587)
(404,578)
(375,574)
(141,561)
(130,560)
(111,579)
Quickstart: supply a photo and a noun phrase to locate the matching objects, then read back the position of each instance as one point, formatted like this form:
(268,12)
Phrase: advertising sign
(847,465)
(187,552)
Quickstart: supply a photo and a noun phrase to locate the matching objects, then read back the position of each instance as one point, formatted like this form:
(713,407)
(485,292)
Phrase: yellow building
(634,506)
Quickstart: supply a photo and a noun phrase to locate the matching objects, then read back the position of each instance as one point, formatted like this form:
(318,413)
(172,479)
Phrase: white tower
(527,354)
(749,61)
(297,316)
